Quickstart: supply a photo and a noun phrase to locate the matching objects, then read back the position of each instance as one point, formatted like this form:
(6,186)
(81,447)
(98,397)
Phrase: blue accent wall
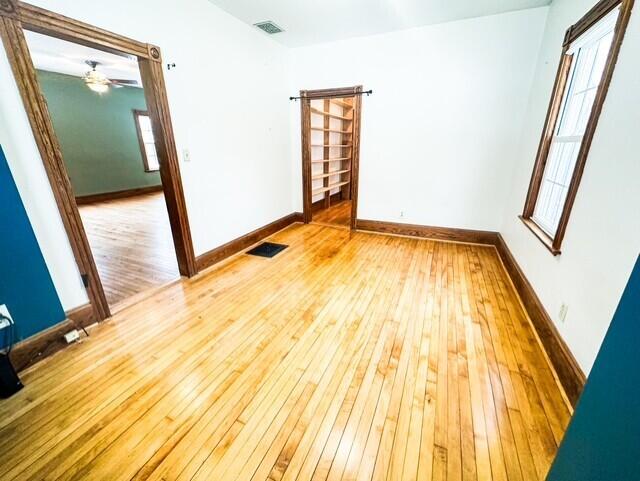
(25,283)
(602,442)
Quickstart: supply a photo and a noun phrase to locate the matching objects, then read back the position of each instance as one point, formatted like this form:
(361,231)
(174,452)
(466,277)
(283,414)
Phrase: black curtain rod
(366,92)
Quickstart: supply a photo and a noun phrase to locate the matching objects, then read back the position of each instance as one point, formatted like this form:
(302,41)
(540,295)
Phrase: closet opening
(330,155)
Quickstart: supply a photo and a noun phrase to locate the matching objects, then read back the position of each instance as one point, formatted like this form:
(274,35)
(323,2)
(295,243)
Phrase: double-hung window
(585,70)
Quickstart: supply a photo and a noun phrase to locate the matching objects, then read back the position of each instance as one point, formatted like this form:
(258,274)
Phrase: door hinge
(85,279)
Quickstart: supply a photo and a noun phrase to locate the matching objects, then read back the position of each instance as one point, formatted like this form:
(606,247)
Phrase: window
(588,57)
(146,140)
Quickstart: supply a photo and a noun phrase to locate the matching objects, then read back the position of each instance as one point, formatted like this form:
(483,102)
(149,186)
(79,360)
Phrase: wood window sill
(541,235)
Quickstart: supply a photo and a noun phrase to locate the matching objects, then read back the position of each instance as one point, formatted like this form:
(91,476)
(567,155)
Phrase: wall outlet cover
(72,336)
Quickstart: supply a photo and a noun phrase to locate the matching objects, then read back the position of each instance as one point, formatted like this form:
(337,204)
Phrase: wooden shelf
(342,103)
(320,161)
(344,132)
(329,114)
(342,146)
(329,174)
(329,187)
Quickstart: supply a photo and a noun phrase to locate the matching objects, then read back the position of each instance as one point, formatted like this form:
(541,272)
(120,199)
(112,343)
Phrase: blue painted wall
(25,283)
(602,442)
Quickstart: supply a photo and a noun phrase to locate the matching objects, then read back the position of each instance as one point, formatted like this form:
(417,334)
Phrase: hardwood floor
(131,242)
(350,356)
(337,214)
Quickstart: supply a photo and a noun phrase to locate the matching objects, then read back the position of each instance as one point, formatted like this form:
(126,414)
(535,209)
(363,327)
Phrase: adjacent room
(351,240)
(99,114)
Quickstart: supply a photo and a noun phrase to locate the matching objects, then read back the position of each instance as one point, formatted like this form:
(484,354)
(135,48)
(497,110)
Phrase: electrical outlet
(4,310)
(72,336)
(186,155)
(563,312)
(402,214)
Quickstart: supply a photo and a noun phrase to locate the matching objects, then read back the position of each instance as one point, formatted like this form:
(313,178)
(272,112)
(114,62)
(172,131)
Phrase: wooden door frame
(15,18)
(306,96)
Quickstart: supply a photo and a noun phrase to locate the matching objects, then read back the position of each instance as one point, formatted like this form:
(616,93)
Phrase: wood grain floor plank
(349,356)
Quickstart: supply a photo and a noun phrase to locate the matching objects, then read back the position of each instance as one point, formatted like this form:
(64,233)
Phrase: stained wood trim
(42,345)
(158,106)
(16,16)
(120,194)
(355,155)
(429,232)
(567,368)
(82,315)
(37,112)
(551,119)
(325,93)
(594,15)
(598,103)
(305,126)
(233,247)
(50,23)
(305,115)
(541,235)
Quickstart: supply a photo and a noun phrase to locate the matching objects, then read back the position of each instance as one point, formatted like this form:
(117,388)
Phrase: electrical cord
(81,327)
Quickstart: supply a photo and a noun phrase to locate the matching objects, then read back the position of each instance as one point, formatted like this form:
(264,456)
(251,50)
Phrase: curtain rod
(366,92)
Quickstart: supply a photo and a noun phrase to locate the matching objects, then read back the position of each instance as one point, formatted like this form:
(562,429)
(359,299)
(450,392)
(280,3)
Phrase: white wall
(440,132)
(603,235)
(229,106)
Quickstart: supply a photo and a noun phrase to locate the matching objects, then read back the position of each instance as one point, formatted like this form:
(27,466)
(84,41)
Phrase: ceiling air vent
(268,27)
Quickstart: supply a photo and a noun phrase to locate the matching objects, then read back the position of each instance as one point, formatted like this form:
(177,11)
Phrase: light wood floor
(347,356)
(131,243)
(337,214)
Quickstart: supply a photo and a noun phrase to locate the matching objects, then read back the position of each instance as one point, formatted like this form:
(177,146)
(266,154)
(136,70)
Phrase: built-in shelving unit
(329,174)
(331,134)
(338,146)
(337,131)
(321,161)
(329,187)
(329,114)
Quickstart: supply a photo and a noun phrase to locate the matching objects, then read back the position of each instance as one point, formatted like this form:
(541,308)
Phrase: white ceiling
(309,22)
(55,55)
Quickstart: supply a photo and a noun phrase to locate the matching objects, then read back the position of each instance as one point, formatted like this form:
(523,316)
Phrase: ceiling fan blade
(133,83)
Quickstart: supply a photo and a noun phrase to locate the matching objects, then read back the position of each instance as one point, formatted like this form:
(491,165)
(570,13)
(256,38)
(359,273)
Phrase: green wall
(97,134)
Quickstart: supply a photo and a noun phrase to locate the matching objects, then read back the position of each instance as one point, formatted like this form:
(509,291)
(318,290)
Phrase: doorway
(330,155)
(19,20)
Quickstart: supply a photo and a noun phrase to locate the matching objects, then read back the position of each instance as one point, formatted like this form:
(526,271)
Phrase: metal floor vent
(267,249)
(268,27)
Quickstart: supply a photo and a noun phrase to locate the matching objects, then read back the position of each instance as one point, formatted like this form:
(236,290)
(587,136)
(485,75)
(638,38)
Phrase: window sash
(148,142)
(590,52)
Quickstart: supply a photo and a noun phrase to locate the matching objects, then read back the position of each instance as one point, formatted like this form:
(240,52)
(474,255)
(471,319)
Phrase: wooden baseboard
(429,232)
(83,315)
(567,368)
(28,352)
(233,247)
(121,194)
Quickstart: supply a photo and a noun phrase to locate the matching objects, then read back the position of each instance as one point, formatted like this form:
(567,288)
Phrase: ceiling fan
(99,83)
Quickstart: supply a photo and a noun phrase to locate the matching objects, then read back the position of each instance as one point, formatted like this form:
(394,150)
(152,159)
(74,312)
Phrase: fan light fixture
(96,81)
